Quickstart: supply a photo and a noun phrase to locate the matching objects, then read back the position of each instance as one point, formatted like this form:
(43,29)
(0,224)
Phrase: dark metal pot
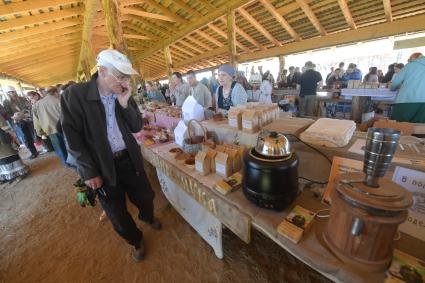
(270,176)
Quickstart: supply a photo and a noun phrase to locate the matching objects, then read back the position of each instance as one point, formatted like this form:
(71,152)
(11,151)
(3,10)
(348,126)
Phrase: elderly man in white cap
(98,119)
(18,110)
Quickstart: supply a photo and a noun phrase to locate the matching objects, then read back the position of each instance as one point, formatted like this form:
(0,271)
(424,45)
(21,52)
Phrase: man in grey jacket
(98,119)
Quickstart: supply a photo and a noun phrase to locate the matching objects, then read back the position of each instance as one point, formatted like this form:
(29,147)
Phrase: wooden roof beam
(190,46)
(224,35)
(213,53)
(347,14)
(207,5)
(137,36)
(150,25)
(258,26)
(202,21)
(25,41)
(411,24)
(41,60)
(272,10)
(187,8)
(21,7)
(144,14)
(388,11)
(182,50)
(39,30)
(14,50)
(311,16)
(164,10)
(246,36)
(210,38)
(40,18)
(199,43)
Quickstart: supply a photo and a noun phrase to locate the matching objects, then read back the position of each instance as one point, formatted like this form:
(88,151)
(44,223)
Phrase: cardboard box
(203,163)
(250,121)
(223,166)
(296,224)
(405,128)
(229,184)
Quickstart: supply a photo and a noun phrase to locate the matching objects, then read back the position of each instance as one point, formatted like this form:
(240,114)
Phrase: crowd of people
(31,122)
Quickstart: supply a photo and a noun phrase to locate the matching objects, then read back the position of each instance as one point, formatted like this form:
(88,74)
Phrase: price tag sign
(413,181)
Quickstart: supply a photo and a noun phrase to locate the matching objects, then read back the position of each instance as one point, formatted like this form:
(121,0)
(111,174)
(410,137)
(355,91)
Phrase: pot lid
(273,144)
(388,196)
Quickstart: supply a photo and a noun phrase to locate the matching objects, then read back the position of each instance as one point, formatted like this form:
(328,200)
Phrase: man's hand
(124,96)
(94,183)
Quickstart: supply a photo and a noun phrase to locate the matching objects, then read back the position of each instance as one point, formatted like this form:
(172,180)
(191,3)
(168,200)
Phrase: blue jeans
(58,144)
(24,133)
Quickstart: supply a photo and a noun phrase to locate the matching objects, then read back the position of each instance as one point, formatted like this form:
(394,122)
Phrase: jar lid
(272,144)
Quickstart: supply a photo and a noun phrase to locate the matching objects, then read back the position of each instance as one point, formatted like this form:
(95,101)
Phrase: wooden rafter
(163,10)
(131,29)
(56,35)
(137,36)
(388,10)
(224,35)
(39,30)
(34,62)
(207,5)
(30,54)
(187,8)
(210,38)
(182,50)
(311,16)
(347,14)
(190,46)
(40,18)
(147,23)
(249,38)
(213,53)
(411,24)
(144,14)
(199,43)
(258,26)
(38,46)
(272,10)
(213,15)
(21,7)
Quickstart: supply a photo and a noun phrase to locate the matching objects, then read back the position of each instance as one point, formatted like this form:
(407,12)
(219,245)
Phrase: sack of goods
(329,132)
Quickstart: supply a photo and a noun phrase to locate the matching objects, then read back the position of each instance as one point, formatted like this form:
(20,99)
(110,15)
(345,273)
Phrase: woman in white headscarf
(266,89)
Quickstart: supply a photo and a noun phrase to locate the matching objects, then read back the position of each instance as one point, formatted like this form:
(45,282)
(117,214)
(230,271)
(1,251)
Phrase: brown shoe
(155,224)
(138,254)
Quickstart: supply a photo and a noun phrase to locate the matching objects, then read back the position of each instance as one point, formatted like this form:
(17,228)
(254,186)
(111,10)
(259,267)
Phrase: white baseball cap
(9,88)
(118,60)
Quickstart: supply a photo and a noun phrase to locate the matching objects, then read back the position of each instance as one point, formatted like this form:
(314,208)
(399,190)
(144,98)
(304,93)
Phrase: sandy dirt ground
(46,237)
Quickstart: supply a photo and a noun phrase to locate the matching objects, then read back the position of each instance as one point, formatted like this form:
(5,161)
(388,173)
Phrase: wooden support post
(113,25)
(86,59)
(168,61)
(231,38)
(281,64)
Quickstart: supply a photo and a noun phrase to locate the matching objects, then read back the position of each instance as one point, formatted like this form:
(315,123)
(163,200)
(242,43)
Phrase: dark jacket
(84,125)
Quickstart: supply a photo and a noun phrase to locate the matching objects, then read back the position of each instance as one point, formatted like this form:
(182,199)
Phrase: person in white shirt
(266,89)
(198,90)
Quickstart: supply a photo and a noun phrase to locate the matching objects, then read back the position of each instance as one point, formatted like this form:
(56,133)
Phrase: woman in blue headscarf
(229,93)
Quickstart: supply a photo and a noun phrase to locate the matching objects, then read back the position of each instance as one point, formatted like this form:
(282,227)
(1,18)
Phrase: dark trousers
(58,144)
(139,192)
(24,133)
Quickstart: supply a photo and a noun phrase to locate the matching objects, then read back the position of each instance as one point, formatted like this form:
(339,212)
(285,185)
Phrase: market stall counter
(206,209)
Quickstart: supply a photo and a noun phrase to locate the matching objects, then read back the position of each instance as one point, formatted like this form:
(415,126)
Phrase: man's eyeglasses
(123,79)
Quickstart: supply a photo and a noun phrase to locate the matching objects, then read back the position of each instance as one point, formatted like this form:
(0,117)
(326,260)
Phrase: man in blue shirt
(98,119)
